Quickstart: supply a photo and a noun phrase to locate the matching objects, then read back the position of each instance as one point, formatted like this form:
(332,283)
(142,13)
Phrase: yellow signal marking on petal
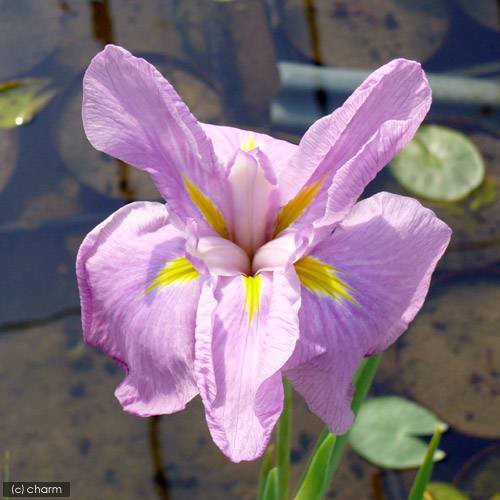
(175,272)
(290,212)
(253,289)
(248,146)
(322,279)
(207,207)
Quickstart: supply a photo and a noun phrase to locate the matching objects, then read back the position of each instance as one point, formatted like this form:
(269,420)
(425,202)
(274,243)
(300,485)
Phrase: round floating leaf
(385,432)
(454,340)
(443,491)
(485,12)
(20,100)
(365,33)
(439,164)
(30,32)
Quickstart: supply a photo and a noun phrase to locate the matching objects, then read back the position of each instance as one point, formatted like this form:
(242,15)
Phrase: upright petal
(132,113)
(246,330)
(228,140)
(139,297)
(369,281)
(343,151)
(254,200)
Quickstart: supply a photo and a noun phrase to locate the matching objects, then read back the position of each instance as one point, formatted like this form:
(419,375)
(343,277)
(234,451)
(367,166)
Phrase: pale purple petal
(254,200)
(228,140)
(346,149)
(281,252)
(386,250)
(151,335)
(132,113)
(218,256)
(238,360)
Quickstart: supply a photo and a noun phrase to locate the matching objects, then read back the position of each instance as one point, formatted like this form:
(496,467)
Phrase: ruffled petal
(132,113)
(384,251)
(246,330)
(137,309)
(342,152)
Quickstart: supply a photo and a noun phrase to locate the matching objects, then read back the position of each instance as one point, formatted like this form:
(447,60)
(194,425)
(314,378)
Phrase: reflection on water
(59,420)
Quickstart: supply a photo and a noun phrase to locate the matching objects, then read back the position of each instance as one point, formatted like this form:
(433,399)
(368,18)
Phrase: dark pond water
(58,417)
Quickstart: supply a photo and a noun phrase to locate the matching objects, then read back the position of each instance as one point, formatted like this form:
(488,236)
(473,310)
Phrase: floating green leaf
(485,194)
(385,432)
(439,164)
(20,100)
(443,491)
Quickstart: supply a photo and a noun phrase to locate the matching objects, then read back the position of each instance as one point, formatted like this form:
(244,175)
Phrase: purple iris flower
(262,264)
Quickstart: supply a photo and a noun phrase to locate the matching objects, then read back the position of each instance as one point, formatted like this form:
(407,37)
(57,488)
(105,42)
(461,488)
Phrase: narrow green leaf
(313,481)
(363,380)
(283,442)
(333,449)
(271,491)
(267,465)
(425,471)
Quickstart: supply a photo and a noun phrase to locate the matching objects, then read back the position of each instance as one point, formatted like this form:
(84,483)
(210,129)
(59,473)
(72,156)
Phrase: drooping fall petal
(342,152)
(132,113)
(381,258)
(246,330)
(139,297)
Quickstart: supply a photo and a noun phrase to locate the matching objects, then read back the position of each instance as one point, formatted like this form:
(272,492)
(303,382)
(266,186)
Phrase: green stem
(362,381)
(283,442)
(267,465)
(425,471)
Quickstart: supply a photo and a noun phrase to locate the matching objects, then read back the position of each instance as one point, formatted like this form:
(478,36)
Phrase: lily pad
(479,476)
(475,242)
(443,491)
(20,100)
(450,356)
(30,32)
(439,164)
(386,429)
(485,194)
(365,34)
(485,12)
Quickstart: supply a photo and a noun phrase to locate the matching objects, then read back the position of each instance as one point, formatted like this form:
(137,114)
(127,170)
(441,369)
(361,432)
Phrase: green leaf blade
(334,449)
(283,441)
(315,478)
(271,491)
(267,465)
(425,471)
